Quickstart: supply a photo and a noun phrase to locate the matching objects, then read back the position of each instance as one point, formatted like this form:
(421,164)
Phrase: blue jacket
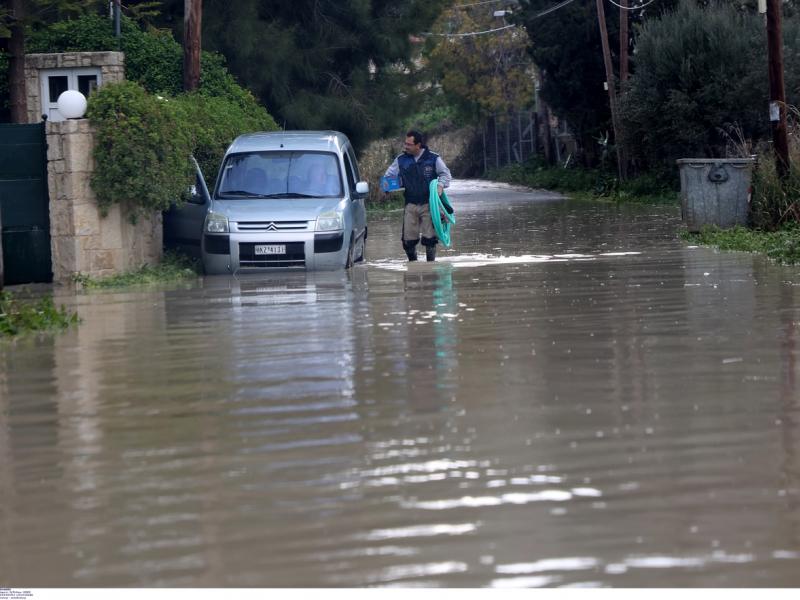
(417,175)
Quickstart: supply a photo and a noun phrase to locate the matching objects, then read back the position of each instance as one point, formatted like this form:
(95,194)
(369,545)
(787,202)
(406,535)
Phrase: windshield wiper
(289,195)
(228,193)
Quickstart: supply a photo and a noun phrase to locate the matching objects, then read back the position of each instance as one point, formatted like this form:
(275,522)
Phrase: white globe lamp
(71,104)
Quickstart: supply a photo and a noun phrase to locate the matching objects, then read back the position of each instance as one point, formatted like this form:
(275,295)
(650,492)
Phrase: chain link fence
(519,136)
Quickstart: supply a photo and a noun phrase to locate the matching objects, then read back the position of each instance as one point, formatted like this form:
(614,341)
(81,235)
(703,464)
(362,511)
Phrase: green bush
(144,142)
(538,175)
(775,202)
(19,316)
(146,127)
(696,70)
(586,183)
(213,123)
(141,150)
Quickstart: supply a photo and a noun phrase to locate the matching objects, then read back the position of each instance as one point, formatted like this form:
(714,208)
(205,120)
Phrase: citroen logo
(272,227)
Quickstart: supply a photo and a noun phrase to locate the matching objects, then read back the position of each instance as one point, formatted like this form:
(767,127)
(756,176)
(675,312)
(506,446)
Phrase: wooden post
(118,22)
(192,20)
(612,92)
(777,90)
(623,41)
(18,101)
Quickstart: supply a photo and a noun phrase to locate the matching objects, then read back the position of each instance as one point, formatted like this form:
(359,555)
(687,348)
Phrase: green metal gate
(24,203)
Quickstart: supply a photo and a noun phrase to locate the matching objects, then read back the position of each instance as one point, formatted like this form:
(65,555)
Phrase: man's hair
(419,138)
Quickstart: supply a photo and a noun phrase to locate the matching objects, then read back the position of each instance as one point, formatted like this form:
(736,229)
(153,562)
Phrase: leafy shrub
(213,122)
(141,150)
(595,183)
(775,202)
(144,142)
(18,316)
(696,69)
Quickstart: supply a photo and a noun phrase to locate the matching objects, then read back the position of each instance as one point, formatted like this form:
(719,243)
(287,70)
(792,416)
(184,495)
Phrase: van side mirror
(362,187)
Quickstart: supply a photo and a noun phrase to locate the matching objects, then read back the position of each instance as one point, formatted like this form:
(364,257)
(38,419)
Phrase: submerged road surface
(570,396)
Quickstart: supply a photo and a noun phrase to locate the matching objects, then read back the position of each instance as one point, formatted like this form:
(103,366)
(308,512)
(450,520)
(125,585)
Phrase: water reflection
(622,413)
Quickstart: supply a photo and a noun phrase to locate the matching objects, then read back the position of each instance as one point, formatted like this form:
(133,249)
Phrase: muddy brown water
(571,396)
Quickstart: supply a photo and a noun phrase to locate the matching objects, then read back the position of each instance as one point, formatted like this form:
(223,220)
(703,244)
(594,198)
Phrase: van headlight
(216,223)
(330,221)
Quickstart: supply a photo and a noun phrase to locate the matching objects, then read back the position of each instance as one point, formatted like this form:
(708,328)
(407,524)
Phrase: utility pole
(623,41)
(612,93)
(192,19)
(777,90)
(117,21)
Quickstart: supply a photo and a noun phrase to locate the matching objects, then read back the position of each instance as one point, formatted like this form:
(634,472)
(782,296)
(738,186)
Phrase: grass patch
(782,246)
(587,184)
(18,317)
(173,267)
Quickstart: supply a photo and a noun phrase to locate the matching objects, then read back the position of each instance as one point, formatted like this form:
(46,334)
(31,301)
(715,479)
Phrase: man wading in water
(417,167)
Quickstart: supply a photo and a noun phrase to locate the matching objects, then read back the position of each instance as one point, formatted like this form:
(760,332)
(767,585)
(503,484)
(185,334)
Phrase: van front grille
(267,226)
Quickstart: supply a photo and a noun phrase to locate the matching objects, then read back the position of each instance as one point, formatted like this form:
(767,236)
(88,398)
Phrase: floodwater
(571,396)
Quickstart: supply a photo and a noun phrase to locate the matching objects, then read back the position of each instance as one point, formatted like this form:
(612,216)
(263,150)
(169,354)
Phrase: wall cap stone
(54,60)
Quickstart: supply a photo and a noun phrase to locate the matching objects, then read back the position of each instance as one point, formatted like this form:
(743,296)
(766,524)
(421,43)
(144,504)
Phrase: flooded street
(570,396)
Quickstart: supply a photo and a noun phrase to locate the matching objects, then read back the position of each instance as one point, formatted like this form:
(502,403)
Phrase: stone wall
(82,240)
(111,65)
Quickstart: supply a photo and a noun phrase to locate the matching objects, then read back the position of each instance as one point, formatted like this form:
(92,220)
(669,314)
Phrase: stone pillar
(83,241)
(111,65)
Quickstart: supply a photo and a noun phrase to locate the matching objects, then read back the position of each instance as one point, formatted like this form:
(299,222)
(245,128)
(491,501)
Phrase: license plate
(262,249)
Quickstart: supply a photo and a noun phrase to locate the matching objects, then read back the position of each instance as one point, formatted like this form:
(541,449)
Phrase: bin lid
(716,161)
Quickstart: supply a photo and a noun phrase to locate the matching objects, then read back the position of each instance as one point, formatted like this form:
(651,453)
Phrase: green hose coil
(442,213)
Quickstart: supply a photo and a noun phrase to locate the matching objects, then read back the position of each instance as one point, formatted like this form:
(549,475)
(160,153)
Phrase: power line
(472,33)
(632,7)
(554,8)
(477,3)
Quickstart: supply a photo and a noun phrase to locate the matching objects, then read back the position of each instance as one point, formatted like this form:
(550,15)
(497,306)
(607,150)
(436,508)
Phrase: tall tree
(565,46)
(15,17)
(481,62)
(697,72)
(343,64)
(18,103)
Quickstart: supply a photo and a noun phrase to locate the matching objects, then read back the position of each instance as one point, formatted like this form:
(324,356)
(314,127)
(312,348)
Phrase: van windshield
(280,174)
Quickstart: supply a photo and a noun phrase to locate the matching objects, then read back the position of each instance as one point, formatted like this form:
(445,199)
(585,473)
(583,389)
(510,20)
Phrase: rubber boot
(430,253)
(411,251)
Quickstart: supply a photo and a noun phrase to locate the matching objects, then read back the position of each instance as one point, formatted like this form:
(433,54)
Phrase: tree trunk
(192,19)
(18,102)
(623,43)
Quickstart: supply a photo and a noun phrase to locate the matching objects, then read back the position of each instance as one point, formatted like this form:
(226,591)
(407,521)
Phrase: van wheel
(351,248)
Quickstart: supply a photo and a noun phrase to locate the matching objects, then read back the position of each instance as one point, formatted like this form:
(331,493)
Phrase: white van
(283,200)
